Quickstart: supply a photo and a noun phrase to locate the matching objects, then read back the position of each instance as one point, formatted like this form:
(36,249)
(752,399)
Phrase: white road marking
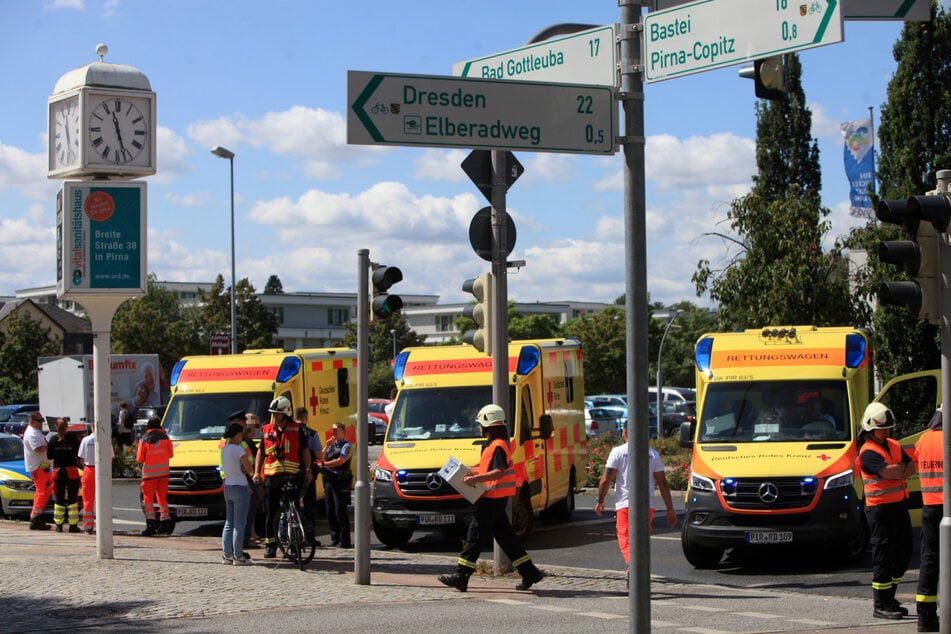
(602,615)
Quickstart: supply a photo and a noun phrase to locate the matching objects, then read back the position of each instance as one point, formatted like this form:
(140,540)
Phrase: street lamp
(393,334)
(228,154)
(660,385)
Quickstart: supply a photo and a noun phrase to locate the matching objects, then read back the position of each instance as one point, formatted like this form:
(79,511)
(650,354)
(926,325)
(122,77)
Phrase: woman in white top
(236,465)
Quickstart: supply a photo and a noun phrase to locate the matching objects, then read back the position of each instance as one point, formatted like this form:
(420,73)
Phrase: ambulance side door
(533,444)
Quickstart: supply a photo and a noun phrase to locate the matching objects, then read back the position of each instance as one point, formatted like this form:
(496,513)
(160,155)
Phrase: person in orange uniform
(154,452)
(490,519)
(37,465)
(929,458)
(282,455)
(885,471)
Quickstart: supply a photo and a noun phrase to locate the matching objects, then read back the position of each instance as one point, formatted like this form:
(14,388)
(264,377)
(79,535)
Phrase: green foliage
(599,448)
(25,339)
(256,325)
(777,273)
(520,326)
(156,323)
(273,286)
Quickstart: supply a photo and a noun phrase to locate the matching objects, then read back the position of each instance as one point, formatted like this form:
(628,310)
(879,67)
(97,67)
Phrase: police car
(16,487)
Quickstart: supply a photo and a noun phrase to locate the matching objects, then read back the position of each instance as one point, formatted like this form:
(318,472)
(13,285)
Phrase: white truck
(66,385)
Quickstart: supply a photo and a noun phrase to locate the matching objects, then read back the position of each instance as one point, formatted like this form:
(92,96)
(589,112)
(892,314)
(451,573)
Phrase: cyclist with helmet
(283,456)
(491,520)
(885,470)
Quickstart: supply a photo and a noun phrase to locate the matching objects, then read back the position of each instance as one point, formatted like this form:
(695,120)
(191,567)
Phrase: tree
(778,273)
(521,327)
(604,344)
(256,325)
(678,353)
(914,142)
(273,286)
(23,342)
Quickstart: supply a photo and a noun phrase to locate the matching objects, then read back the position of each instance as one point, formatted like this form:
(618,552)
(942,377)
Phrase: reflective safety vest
(505,486)
(281,449)
(879,490)
(154,452)
(929,452)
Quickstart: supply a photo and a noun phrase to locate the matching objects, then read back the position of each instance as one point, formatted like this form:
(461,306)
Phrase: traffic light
(480,312)
(384,304)
(923,218)
(769,76)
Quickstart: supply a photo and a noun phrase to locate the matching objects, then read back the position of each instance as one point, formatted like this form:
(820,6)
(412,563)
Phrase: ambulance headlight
(382,475)
(17,485)
(700,483)
(840,480)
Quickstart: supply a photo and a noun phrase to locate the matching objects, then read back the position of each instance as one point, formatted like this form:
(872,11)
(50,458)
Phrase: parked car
(141,419)
(673,393)
(377,406)
(610,402)
(672,417)
(13,418)
(602,420)
(376,429)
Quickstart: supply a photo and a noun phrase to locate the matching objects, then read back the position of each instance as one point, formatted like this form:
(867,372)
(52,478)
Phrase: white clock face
(117,131)
(64,146)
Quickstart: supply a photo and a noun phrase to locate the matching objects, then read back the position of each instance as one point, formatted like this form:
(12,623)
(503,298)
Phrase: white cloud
(441,165)
(194,199)
(66,4)
(26,173)
(549,167)
(172,151)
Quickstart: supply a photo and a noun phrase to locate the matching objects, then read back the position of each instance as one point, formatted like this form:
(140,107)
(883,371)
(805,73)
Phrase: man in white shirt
(38,466)
(87,460)
(616,469)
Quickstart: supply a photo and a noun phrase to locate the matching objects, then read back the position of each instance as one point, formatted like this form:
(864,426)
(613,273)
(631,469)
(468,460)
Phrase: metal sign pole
(500,323)
(944,529)
(361,489)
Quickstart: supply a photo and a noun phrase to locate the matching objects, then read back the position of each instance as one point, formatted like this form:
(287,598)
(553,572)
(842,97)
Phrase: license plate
(436,520)
(189,511)
(769,537)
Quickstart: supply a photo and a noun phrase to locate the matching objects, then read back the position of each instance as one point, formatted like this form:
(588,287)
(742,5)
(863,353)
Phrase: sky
(268,80)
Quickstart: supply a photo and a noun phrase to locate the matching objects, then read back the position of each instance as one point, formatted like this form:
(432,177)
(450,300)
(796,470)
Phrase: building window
(444,323)
(337,316)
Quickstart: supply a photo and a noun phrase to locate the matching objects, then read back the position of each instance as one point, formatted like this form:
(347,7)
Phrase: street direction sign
(906,10)
(435,111)
(478,167)
(586,57)
(709,34)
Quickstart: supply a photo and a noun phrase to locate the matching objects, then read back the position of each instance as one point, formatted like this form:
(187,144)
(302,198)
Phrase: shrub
(123,463)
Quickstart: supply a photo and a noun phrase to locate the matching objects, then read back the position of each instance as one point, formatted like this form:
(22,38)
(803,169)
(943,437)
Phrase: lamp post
(393,334)
(660,384)
(228,154)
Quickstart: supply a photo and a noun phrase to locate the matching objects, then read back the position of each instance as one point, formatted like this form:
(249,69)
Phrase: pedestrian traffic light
(769,76)
(923,218)
(480,312)
(384,304)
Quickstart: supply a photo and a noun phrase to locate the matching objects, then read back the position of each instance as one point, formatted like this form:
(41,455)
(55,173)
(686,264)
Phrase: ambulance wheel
(522,515)
(563,509)
(701,557)
(392,537)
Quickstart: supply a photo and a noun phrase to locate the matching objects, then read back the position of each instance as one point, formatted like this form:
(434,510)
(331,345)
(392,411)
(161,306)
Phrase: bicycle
(291,537)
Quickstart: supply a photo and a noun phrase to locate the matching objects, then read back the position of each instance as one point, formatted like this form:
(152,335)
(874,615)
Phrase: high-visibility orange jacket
(505,486)
(154,452)
(929,452)
(281,449)
(879,490)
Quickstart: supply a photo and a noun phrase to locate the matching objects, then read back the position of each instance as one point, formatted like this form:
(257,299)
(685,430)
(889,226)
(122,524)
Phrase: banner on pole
(859,165)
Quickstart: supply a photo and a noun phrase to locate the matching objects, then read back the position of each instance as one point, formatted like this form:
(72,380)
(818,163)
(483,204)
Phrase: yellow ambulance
(206,389)
(440,391)
(774,445)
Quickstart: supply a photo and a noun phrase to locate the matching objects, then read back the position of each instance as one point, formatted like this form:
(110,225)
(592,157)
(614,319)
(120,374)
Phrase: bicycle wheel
(283,537)
(307,546)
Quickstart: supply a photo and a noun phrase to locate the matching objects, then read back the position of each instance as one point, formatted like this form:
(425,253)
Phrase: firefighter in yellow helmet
(885,470)
(491,520)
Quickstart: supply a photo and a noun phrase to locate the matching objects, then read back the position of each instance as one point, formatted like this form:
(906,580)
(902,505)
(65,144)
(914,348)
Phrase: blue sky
(268,81)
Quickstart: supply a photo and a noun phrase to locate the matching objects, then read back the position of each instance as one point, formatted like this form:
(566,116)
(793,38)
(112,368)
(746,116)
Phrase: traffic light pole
(944,530)
(361,489)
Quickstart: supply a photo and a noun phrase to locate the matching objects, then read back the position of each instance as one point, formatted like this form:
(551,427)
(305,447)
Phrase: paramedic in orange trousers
(154,452)
(38,466)
(885,470)
(490,519)
(929,457)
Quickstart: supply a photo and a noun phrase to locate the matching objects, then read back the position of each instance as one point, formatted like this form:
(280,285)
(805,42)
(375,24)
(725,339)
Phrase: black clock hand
(115,122)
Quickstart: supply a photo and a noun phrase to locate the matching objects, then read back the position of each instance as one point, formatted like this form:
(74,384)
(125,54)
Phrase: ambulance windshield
(775,411)
(205,416)
(438,413)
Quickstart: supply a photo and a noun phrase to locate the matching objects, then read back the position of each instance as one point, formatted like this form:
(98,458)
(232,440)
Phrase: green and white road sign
(435,111)
(709,34)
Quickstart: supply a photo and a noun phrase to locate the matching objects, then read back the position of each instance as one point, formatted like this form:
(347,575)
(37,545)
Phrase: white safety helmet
(491,416)
(281,405)
(877,416)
